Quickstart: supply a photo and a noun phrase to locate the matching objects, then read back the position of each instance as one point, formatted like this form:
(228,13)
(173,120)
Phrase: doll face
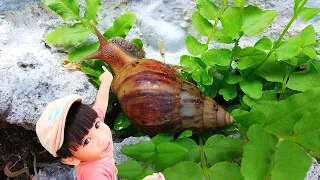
(97,144)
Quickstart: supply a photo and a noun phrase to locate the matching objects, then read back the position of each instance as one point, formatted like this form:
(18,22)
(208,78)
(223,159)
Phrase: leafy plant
(271,89)
(77,36)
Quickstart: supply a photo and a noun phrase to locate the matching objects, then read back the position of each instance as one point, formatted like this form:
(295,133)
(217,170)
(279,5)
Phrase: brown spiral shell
(153,95)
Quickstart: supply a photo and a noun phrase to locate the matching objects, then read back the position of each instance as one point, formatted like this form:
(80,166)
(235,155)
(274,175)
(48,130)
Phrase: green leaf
(232,79)
(221,57)
(308,13)
(307,131)
(222,36)
(289,158)
(189,62)
(160,138)
(228,92)
(252,88)
(184,170)
(207,9)
(292,61)
(206,76)
(311,52)
(168,154)
(92,8)
(121,26)
(289,48)
(193,149)
(251,118)
(250,56)
(257,153)
(225,171)
(256,20)
(185,134)
(138,42)
(264,44)
(272,71)
(194,47)
(68,10)
(296,5)
(93,68)
(302,81)
(121,121)
(316,65)
(282,116)
(65,35)
(129,169)
(238,112)
(303,59)
(200,24)
(186,76)
(268,98)
(82,51)
(142,151)
(239,2)
(231,21)
(308,36)
(220,148)
(197,74)
(212,90)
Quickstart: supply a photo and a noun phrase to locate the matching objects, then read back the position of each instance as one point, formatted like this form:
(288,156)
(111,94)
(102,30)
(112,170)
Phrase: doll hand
(155,176)
(106,76)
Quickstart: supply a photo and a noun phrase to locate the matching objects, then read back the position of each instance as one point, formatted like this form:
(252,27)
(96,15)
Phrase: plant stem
(285,80)
(145,167)
(202,158)
(216,20)
(210,35)
(294,17)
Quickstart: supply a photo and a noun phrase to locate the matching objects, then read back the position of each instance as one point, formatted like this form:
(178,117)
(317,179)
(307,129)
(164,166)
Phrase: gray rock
(58,172)
(314,171)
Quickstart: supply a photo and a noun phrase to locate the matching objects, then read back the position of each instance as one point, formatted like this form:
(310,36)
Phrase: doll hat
(50,126)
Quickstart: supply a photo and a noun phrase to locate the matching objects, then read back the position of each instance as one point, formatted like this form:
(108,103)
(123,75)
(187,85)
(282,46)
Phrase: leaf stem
(210,35)
(216,21)
(276,43)
(202,158)
(285,80)
(294,17)
(145,167)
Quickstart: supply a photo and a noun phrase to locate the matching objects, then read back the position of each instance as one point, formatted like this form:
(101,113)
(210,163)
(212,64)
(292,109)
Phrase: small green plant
(76,36)
(271,89)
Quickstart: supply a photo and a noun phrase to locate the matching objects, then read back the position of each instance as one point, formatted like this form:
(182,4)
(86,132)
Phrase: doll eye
(97,125)
(86,141)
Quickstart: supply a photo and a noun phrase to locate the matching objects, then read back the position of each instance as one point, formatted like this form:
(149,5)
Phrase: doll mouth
(108,147)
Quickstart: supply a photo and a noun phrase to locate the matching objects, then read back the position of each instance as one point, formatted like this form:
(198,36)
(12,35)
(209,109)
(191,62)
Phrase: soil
(17,146)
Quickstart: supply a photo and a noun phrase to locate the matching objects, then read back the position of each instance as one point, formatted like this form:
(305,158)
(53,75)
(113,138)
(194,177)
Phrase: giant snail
(153,94)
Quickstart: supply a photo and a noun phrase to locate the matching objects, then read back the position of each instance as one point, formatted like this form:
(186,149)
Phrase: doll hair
(79,121)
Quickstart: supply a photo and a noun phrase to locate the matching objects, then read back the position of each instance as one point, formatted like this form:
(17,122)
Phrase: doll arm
(155,176)
(103,92)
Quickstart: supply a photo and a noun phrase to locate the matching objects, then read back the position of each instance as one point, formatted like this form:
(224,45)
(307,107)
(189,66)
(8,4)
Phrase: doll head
(87,137)
(73,131)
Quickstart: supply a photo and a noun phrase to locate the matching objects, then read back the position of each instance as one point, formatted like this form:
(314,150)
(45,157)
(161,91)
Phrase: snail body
(153,95)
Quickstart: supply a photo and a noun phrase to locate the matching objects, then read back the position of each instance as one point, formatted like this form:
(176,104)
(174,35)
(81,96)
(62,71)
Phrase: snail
(153,95)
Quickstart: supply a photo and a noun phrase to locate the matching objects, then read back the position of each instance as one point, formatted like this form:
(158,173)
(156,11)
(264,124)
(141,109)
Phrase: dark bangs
(80,120)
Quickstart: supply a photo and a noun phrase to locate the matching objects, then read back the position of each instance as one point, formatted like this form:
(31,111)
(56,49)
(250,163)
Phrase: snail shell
(153,95)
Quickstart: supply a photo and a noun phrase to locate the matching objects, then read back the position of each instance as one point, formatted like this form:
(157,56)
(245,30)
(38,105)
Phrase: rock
(314,171)
(57,172)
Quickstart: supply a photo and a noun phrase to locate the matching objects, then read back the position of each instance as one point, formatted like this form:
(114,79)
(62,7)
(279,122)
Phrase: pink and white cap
(50,126)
